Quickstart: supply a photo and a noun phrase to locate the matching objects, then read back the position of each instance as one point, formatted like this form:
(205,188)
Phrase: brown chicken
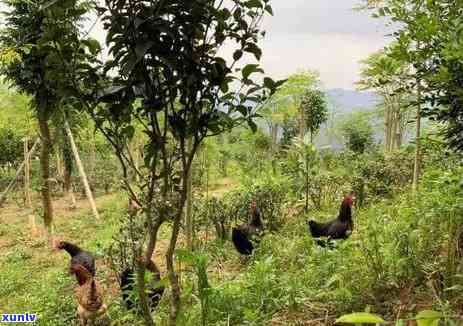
(89,296)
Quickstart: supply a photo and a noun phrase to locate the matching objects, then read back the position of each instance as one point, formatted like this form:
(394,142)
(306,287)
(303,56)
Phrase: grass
(35,278)
(288,281)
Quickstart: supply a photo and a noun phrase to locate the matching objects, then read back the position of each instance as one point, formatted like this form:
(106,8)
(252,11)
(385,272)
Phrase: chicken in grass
(245,236)
(339,228)
(154,289)
(78,256)
(89,296)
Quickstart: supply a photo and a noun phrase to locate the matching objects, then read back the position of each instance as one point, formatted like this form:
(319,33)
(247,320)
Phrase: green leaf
(237,55)
(48,4)
(269,9)
(360,317)
(26,48)
(92,45)
(269,83)
(129,131)
(253,4)
(242,109)
(252,125)
(142,48)
(254,49)
(400,322)
(249,69)
(224,86)
(428,318)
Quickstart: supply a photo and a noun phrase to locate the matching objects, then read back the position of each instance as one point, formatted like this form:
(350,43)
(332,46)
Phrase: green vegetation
(192,140)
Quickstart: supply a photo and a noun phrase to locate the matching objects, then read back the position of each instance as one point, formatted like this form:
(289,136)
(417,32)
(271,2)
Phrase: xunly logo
(18,318)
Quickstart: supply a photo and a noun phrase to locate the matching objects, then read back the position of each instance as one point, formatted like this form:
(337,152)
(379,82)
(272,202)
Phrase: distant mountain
(345,100)
(342,102)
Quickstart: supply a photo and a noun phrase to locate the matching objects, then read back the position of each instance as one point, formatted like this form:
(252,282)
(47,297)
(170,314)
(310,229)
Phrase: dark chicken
(78,257)
(339,228)
(128,283)
(245,236)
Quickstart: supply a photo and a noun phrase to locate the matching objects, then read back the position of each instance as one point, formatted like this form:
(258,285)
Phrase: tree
(357,132)
(29,61)
(305,161)
(285,105)
(314,110)
(428,34)
(173,83)
(389,77)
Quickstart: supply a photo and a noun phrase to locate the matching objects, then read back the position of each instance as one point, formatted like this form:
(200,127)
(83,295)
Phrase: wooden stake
(3,196)
(81,170)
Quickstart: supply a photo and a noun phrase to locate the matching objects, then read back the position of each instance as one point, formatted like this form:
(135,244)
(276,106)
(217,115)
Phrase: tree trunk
(3,196)
(394,128)
(387,142)
(142,295)
(173,277)
(136,160)
(416,168)
(189,216)
(67,180)
(187,157)
(67,175)
(46,149)
(302,124)
(92,162)
(306,182)
(274,134)
(68,191)
(59,167)
(81,170)
(27,174)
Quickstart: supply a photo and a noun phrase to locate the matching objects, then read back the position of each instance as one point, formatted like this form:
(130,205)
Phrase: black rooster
(128,281)
(339,228)
(78,257)
(245,236)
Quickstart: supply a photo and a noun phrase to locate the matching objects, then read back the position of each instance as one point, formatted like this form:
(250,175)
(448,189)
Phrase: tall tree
(285,106)
(428,35)
(357,132)
(25,64)
(389,78)
(172,81)
(314,111)
(37,48)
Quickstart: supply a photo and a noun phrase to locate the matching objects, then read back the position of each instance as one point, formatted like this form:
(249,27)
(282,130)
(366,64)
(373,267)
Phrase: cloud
(328,36)
(323,35)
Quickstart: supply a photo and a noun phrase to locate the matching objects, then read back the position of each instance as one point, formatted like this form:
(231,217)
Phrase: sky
(323,35)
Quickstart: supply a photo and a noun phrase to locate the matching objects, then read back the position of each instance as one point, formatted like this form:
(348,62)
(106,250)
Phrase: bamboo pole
(81,170)
(3,196)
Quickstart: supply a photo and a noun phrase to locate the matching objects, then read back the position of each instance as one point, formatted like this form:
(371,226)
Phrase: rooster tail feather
(93,295)
(313,228)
